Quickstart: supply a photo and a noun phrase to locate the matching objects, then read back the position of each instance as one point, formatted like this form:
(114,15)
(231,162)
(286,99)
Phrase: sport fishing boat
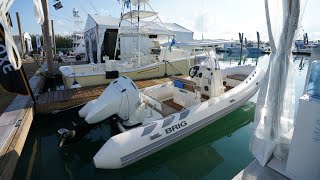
(137,51)
(237,50)
(153,65)
(78,44)
(153,118)
(159,63)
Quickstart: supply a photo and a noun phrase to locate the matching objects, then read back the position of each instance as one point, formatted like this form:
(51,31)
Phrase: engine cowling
(121,97)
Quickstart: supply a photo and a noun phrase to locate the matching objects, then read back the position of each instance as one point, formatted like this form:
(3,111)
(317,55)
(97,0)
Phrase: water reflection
(301,59)
(193,157)
(233,59)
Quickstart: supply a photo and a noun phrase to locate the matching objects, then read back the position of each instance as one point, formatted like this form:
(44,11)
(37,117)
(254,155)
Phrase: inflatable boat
(153,118)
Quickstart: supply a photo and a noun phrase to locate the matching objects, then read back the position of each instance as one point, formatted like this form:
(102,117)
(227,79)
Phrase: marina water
(218,151)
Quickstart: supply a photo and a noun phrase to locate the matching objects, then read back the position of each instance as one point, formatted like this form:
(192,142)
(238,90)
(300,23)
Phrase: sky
(221,18)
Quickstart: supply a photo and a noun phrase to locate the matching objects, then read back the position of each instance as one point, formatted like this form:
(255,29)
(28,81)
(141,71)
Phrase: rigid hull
(237,50)
(94,74)
(137,143)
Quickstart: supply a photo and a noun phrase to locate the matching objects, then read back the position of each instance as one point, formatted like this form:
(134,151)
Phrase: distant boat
(78,52)
(237,50)
(233,56)
(255,55)
(255,50)
(305,49)
(221,50)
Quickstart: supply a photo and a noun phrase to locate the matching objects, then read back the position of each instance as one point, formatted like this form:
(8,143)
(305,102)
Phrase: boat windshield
(204,59)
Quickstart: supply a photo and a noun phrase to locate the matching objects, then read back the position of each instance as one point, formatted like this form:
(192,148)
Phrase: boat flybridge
(153,118)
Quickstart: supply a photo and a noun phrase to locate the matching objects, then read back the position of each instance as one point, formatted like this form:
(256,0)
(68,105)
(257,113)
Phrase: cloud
(63,28)
(225,20)
(216,26)
(104,12)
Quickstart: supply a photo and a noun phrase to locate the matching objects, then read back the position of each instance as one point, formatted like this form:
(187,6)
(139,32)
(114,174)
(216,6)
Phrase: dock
(255,171)
(16,117)
(15,122)
(17,112)
(55,101)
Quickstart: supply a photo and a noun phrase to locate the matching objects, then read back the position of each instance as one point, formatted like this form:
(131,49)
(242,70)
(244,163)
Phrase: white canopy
(96,26)
(28,43)
(107,22)
(202,43)
(26,35)
(135,2)
(142,14)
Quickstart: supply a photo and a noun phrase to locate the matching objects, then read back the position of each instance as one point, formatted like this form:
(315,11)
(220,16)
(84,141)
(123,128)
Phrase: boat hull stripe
(148,129)
(184,114)
(158,145)
(167,121)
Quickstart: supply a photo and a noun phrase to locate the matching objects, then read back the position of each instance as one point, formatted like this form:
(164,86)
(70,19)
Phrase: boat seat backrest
(158,106)
(186,93)
(183,80)
(184,84)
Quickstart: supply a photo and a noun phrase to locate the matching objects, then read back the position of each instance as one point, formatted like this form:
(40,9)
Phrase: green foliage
(62,42)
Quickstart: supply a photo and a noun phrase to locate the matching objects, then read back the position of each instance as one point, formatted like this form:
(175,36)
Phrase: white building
(101,34)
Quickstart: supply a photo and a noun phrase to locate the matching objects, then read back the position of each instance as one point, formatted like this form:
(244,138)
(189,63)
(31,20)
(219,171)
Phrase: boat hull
(307,51)
(98,77)
(254,50)
(128,147)
(237,50)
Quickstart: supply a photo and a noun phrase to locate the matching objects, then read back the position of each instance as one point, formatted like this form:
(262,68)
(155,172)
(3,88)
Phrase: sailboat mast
(139,60)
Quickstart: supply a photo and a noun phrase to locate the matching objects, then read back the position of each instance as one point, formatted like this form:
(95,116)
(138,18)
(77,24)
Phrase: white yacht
(141,57)
(236,48)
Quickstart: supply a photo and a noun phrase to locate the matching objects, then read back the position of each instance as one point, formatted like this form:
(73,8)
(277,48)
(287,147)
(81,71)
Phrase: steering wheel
(193,71)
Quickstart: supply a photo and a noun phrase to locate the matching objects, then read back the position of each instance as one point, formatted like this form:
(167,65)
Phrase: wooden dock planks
(57,100)
(16,119)
(10,160)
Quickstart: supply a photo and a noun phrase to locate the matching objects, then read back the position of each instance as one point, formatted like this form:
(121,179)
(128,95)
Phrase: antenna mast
(202,19)
(139,48)
(78,21)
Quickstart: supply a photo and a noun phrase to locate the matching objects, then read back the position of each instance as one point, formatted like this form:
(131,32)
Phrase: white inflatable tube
(137,143)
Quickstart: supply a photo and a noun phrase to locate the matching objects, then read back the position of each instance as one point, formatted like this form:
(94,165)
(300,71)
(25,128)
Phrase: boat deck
(239,77)
(173,105)
(54,101)
(255,171)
